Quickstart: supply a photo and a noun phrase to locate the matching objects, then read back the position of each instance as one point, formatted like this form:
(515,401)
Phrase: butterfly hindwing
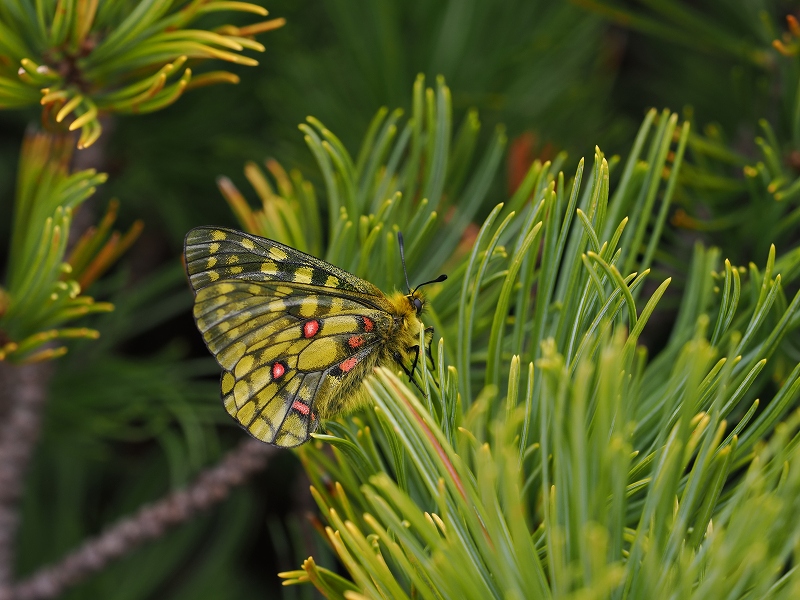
(284,418)
(282,385)
(289,330)
(285,410)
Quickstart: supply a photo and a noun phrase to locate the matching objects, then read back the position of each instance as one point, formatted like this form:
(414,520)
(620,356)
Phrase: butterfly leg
(409,372)
(415,350)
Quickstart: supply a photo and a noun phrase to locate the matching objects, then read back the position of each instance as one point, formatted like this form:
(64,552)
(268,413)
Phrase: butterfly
(294,335)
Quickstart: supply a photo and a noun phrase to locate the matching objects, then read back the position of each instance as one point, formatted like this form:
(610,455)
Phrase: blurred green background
(138,412)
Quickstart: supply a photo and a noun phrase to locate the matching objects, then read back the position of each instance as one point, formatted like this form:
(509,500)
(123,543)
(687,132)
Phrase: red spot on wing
(348,364)
(310,328)
(355,341)
(278,370)
(300,407)
(368,324)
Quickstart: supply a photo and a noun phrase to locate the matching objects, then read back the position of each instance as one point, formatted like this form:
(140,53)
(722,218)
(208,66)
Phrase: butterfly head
(414,297)
(417,302)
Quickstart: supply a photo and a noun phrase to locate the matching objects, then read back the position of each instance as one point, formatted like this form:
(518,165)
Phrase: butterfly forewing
(287,328)
(214,254)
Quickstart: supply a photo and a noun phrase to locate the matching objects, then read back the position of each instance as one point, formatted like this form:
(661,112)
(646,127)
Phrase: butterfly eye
(418,305)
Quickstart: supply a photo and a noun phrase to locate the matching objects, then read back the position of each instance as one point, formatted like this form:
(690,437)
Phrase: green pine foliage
(85,57)
(583,467)
(44,284)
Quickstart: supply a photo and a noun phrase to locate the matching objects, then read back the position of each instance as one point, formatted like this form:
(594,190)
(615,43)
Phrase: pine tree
(611,405)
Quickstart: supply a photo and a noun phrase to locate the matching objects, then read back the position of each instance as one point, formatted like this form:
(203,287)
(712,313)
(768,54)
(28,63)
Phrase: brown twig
(24,390)
(149,523)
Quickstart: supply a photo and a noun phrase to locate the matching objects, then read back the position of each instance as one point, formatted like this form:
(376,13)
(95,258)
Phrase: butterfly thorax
(407,309)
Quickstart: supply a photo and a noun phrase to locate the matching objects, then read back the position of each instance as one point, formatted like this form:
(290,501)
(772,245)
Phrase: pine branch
(151,522)
(138,54)
(24,390)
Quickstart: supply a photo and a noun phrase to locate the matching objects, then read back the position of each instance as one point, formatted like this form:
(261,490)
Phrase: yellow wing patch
(304,275)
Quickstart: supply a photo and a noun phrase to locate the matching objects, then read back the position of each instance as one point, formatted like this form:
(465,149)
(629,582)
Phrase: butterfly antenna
(439,279)
(403,260)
